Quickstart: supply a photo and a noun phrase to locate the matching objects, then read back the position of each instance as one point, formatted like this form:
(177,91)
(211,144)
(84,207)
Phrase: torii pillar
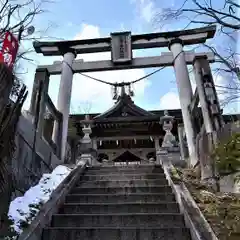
(185,95)
(64,99)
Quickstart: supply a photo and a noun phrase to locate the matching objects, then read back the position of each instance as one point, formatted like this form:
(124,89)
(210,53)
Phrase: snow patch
(23,210)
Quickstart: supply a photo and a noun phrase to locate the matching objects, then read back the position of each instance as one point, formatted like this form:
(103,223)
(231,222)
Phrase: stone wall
(32,158)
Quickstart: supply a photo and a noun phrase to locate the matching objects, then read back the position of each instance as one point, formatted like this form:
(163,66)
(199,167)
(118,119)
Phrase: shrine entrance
(121,46)
(127,158)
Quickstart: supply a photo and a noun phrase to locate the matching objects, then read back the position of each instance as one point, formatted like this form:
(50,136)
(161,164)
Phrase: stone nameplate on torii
(121,50)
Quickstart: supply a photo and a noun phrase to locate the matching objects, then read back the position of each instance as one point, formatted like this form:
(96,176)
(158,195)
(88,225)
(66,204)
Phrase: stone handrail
(34,231)
(194,219)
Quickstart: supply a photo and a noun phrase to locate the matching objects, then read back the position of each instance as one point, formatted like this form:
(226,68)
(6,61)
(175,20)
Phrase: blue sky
(75,19)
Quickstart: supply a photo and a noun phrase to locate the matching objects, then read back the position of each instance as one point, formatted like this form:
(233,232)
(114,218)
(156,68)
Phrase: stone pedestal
(170,155)
(94,142)
(105,162)
(161,156)
(85,158)
(157,145)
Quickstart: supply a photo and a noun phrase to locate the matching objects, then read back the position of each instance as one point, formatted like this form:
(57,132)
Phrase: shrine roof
(176,113)
(154,115)
(125,110)
(124,107)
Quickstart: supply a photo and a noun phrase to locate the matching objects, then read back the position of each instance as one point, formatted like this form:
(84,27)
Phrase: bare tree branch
(224,15)
(16,15)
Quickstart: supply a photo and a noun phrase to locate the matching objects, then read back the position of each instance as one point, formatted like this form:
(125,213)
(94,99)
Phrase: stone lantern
(86,141)
(167,125)
(87,130)
(86,145)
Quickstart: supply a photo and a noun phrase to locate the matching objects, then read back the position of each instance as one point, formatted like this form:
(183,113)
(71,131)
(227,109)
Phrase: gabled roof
(124,107)
(127,156)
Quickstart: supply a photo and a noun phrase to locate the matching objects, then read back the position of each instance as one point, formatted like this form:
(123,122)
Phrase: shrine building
(126,132)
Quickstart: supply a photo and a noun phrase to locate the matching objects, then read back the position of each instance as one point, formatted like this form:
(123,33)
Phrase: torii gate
(121,45)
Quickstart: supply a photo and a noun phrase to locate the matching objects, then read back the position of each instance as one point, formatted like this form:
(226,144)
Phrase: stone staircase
(119,203)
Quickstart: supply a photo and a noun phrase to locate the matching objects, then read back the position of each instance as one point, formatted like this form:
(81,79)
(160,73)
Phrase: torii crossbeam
(140,41)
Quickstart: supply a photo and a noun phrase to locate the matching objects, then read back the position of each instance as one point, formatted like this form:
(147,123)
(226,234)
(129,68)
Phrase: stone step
(104,233)
(127,183)
(119,198)
(122,176)
(159,207)
(109,170)
(122,189)
(119,220)
(135,166)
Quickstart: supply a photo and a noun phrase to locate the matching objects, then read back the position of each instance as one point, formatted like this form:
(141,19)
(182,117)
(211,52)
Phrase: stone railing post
(181,141)
(43,76)
(162,156)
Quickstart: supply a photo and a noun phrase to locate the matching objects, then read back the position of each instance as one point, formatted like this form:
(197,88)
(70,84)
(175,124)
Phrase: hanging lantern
(114,92)
(130,91)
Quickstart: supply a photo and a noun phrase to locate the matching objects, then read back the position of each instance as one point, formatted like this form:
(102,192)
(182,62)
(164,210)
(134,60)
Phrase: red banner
(9,50)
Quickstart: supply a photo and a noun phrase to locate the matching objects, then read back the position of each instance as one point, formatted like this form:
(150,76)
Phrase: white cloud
(170,101)
(99,94)
(145,9)
(228,98)
(220,81)
(88,32)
